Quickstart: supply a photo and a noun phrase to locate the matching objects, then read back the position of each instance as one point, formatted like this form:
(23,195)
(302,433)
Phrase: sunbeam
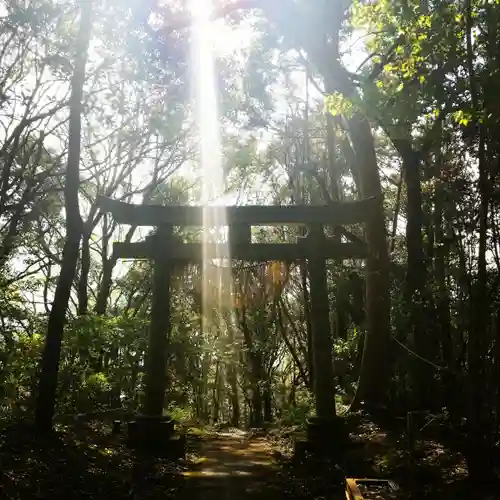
(216,271)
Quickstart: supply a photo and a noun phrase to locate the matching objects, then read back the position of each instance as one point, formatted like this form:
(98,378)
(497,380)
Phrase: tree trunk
(291,348)
(268,403)
(235,400)
(479,419)
(256,385)
(232,378)
(216,395)
(52,350)
(376,362)
(255,365)
(375,371)
(83,282)
(396,215)
(307,316)
(292,398)
(443,300)
(415,295)
(256,406)
(105,286)
(203,389)
(335,193)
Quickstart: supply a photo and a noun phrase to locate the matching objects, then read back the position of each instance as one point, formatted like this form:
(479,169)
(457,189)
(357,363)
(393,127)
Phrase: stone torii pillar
(151,428)
(159,331)
(323,431)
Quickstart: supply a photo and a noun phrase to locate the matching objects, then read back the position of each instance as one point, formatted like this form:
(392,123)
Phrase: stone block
(326,437)
(156,435)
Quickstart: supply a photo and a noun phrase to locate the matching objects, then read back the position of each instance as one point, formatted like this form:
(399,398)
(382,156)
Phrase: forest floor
(88,462)
(246,465)
(232,465)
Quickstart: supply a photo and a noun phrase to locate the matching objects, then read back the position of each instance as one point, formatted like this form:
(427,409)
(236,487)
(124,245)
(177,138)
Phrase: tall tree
(52,350)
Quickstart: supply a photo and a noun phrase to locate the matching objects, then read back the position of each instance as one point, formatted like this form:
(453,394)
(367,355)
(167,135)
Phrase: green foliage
(337,104)
(181,415)
(298,415)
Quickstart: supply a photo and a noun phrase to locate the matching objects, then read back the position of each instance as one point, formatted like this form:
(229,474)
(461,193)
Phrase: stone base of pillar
(156,435)
(326,438)
(327,433)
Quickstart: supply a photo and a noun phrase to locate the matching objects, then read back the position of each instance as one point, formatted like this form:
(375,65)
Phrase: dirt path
(232,466)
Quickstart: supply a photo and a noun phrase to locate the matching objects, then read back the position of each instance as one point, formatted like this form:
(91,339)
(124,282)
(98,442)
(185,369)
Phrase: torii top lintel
(334,214)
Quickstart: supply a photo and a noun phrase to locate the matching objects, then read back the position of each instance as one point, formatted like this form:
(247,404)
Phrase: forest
(311,102)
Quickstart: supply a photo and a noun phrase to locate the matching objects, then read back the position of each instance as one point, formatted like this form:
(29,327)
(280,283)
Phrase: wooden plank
(188,252)
(338,213)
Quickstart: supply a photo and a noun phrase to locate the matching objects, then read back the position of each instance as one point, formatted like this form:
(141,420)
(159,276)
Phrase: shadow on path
(232,466)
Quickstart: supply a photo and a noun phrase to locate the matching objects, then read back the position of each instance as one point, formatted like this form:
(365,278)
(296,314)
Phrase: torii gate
(164,251)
